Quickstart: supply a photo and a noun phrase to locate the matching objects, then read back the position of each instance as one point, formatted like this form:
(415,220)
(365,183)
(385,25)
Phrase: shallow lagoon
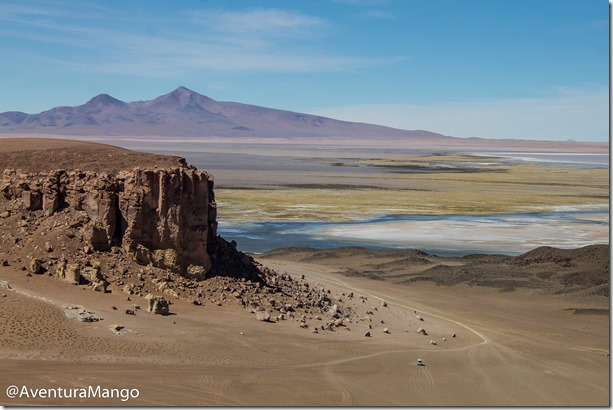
(508,233)
(445,235)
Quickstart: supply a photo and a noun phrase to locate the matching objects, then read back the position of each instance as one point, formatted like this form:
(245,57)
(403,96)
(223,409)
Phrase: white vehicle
(420,362)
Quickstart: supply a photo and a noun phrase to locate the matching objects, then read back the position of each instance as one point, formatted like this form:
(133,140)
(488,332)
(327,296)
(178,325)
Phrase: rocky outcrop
(162,217)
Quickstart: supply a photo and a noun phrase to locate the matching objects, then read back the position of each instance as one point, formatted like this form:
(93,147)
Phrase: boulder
(70,272)
(262,316)
(96,278)
(157,305)
(35,266)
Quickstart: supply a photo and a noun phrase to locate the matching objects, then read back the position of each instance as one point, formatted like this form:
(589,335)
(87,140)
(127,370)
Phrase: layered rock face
(162,217)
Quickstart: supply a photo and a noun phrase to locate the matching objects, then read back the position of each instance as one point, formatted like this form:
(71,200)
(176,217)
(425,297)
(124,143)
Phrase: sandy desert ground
(520,348)
(512,347)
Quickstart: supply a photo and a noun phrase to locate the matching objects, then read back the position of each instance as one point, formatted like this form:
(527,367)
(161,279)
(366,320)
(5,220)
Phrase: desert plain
(521,329)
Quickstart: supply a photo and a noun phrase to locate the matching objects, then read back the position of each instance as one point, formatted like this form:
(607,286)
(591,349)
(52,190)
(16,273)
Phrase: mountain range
(184,112)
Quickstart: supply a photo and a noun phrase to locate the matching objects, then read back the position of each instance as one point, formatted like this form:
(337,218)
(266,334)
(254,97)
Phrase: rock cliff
(161,217)
(148,232)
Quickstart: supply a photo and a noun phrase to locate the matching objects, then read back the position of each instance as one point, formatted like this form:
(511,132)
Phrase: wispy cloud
(256,39)
(266,22)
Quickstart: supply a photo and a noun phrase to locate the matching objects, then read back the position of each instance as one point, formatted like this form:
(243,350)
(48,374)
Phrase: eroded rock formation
(152,234)
(162,217)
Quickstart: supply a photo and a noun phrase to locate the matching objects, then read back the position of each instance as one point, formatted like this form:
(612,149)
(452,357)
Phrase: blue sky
(536,69)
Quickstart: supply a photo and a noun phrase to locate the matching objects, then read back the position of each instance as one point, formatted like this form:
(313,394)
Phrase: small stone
(117,328)
(130,312)
(384,304)
(114,307)
(386,330)
(367,334)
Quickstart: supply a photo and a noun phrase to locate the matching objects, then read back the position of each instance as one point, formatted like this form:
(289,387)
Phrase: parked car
(420,362)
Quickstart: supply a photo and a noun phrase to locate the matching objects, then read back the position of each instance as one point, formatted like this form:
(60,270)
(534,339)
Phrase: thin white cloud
(580,114)
(268,22)
(256,39)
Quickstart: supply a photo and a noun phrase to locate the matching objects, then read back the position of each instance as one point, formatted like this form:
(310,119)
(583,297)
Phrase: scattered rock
(384,303)
(116,328)
(36,266)
(262,316)
(130,312)
(157,305)
(386,330)
(367,334)
(80,314)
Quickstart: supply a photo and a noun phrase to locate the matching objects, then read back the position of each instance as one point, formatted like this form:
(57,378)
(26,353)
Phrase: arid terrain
(294,326)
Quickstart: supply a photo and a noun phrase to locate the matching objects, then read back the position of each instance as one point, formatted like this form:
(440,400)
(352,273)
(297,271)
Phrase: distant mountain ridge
(184,112)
